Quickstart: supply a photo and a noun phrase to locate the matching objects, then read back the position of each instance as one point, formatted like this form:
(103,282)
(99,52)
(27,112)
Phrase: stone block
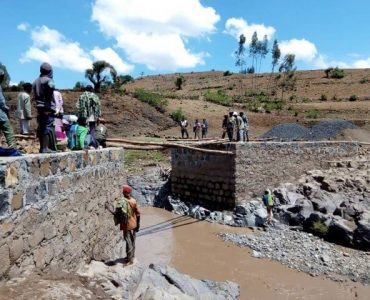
(17,201)
(16,249)
(11,177)
(36,238)
(45,167)
(4,260)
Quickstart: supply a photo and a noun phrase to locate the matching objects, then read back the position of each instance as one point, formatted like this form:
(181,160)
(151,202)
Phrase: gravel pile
(306,253)
(324,130)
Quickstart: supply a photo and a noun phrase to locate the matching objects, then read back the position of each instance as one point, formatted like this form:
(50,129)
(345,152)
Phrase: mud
(192,246)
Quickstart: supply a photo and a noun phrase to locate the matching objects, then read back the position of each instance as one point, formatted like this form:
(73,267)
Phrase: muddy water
(192,247)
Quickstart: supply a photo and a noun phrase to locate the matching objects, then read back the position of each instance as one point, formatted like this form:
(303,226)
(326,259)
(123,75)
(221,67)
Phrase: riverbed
(193,247)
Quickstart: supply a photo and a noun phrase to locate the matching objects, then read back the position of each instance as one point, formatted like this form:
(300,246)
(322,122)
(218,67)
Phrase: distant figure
(101,133)
(230,126)
(81,134)
(184,128)
(127,215)
(204,128)
(224,126)
(196,129)
(268,201)
(5,125)
(71,130)
(246,127)
(58,122)
(24,109)
(88,107)
(239,128)
(43,92)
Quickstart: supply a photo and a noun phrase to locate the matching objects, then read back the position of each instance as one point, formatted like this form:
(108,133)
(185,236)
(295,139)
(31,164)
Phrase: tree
(254,47)
(122,79)
(239,54)
(98,76)
(262,50)
(6,80)
(179,82)
(276,54)
(78,86)
(288,69)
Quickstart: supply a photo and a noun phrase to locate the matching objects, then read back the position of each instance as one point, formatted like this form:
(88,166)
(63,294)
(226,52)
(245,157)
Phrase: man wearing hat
(5,125)
(127,216)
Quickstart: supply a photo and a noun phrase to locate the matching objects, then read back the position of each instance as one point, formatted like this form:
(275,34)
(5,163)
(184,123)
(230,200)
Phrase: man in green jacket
(5,125)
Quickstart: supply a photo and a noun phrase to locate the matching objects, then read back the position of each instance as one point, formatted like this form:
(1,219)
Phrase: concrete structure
(52,209)
(221,181)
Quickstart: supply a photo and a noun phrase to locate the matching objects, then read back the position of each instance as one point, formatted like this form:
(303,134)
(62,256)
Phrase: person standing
(224,126)
(204,128)
(184,128)
(24,109)
(101,133)
(43,92)
(5,125)
(268,201)
(246,127)
(127,215)
(196,128)
(240,127)
(88,107)
(230,126)
(58,122)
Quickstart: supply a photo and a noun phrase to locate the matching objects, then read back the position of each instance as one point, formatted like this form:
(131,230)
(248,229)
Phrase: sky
(167,36)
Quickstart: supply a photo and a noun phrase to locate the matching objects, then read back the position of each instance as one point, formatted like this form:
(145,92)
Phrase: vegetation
(227,73)
(239,54)
(353,98)
(98,76)
(323,97)
(319,228)
(177,115)
(6,80)
(123,79)
(218,97)
(335,73)
(364,80)
(153,99)
(312,114)
(179,82)
(288,80)
(79,86)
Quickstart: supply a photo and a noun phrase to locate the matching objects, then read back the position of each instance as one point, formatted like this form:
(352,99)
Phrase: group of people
(56,129)
(236,126)
(200,129)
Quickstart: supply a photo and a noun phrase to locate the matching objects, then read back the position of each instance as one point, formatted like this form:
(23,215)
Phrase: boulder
(362,233)
(341,231)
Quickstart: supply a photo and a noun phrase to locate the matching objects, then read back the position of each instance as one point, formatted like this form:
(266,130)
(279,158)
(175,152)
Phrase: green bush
(353,98)
(313,114)
(336,73)
(323,97)
(152,99)
(218,97)
(227,73)
(334,98)
(177,115)
(319,228)
(364,80)
(179,82)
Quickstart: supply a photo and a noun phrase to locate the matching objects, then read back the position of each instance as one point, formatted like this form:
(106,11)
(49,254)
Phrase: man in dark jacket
(43,91)
(5,125)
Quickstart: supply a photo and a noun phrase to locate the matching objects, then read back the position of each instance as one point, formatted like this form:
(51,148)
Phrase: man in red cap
(127,215)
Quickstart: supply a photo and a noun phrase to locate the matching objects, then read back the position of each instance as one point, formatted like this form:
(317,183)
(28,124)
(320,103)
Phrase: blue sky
(165,36)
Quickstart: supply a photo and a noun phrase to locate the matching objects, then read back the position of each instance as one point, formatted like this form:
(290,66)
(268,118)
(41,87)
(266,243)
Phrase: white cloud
(51,46)
(323,62)
(302,49)
(109,55)
(23,26)
(237,26)
(361,63)
(155,33)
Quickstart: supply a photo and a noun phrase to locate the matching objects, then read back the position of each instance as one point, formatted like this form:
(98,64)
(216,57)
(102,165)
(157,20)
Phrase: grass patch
(153,99)
(132,157)
(313,114)
(177,115)
(218,97)
(319,228)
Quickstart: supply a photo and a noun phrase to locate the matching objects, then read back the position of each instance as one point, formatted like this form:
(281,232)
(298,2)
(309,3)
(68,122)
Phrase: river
(192,247)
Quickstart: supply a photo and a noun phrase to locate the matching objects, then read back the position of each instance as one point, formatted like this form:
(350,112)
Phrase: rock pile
(304,252)
(334,204)
(155,283)
(324,130)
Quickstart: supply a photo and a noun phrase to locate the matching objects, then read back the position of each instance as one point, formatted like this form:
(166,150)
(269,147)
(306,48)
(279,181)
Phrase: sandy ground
(193,247)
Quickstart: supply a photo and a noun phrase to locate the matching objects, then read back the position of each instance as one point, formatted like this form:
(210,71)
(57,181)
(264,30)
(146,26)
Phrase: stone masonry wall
(204,178)
(266,165)
(52,209)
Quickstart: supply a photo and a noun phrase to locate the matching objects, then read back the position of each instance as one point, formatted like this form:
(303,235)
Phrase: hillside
(313,98)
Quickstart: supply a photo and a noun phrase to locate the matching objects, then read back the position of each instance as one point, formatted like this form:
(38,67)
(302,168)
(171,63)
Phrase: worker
(24,108)
(246,127)
(196,129)
(5,125)
(101,133)
(239,128)
(224,126)
(230,126)
(184,128)
(204,128)
(127,215)
(268,201)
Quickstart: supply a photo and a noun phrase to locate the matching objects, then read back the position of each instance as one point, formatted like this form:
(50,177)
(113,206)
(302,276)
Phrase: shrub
(227,73)
(218,97)
(313,114)
(336,73)
(319,228)
(152,99)
(334,98)
(179,82)
(323,97)
(364,80)
(353,98)
(177,115)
